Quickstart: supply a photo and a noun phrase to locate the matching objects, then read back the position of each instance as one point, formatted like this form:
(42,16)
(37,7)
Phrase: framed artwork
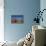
(17,19)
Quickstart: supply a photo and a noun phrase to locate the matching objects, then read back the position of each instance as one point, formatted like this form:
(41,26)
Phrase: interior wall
(1,20)
(43,6)
(28,8)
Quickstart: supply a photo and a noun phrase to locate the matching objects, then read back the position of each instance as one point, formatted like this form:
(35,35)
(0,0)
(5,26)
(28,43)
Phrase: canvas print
(18,19)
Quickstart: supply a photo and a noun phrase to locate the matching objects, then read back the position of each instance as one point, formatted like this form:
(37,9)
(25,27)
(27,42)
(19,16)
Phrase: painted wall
(1,20)
(43,6)
(13,32)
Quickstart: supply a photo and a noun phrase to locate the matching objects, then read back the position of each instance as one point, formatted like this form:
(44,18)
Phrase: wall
(13,32)
(43,6)
(1,20)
